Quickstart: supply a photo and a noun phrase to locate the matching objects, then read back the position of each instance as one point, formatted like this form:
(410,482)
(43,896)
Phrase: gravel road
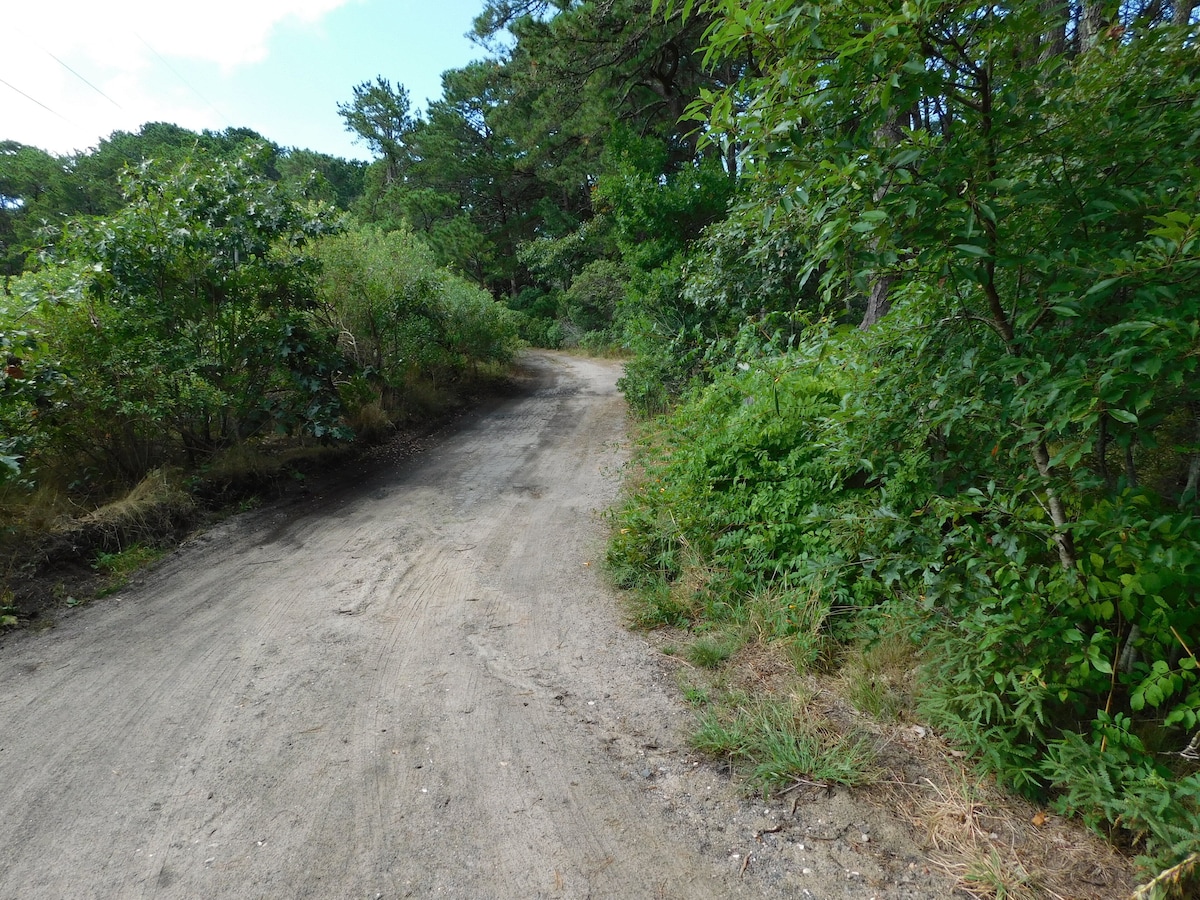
(412,682)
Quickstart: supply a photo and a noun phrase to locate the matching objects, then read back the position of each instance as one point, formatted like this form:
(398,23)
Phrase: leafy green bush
(591,301)
(401,316)
(735,474)
(178,325)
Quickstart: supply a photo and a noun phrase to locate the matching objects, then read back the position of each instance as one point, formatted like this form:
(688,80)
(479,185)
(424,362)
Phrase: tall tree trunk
(1054,40)
(1183,11)
(1192,487)
(1091,24)
(879,302)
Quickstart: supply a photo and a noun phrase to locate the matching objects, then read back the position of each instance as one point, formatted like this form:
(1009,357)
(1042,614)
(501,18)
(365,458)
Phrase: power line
(42,46)
(35,100)
(186,83)
(84,80)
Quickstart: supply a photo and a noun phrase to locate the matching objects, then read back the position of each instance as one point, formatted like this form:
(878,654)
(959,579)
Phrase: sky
(74,71)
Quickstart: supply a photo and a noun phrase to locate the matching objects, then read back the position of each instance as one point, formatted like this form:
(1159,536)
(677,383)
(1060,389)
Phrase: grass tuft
(657,606)
(711,651)
(877,678)
(776,744)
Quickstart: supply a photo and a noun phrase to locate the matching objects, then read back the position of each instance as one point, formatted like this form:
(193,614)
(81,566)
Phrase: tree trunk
(879,303)
(1193,475)
(1054,40)
(1091,25)
(1063,542)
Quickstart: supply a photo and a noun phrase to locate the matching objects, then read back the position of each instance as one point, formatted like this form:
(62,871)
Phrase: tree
(469,182)
(320,176)
(380,115)
(41,191)
(183,321)
(1009,201)
(33,190)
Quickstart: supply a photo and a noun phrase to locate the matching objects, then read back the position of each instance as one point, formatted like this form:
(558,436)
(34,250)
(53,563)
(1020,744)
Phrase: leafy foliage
(215,307)
(180,323)
(1006,451)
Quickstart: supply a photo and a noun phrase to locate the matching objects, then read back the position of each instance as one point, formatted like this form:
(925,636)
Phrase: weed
(126,562)
(657,605)
(990,875)
(1179,881)
(119,566)
(8,610)
(694,694)
(776,744)
(711,651)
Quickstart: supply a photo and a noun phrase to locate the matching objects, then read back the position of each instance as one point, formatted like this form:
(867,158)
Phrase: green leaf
(1125,416)
(1102,285)
(972,250)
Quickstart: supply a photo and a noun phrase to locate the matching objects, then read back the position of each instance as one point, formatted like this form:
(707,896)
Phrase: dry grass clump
(878,678)
(1181,881)
(39,510)
(998,846)
(156,506)
(767,668)
(370,422)
(753,680)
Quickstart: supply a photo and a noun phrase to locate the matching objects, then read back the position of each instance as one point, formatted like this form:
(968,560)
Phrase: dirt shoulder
(411,682)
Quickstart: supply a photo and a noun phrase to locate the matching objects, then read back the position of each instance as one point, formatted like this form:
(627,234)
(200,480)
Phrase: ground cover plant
(975,426)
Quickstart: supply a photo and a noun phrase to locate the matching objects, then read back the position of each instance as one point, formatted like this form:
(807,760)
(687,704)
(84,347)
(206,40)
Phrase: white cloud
(115,46)
(226,32)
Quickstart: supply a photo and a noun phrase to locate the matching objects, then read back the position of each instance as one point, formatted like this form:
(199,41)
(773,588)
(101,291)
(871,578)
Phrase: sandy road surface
(411,685)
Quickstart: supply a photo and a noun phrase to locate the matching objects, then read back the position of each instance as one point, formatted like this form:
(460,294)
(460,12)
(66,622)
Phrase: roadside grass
(999,846)
(8,610)
(119,567)
(658,606)
(782,704)
(23,510)
(877,678)
(777,743)
(711,650)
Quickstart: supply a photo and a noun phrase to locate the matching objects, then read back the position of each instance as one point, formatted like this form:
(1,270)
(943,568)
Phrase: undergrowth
(868,535)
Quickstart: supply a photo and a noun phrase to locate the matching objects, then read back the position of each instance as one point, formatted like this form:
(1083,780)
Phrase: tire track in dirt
(412,684)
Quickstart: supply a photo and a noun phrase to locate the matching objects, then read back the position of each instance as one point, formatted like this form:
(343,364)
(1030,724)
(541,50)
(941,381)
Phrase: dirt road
(414,684)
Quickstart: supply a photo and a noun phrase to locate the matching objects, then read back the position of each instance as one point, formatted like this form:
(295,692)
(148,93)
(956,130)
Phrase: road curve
(412,683)
(385,691)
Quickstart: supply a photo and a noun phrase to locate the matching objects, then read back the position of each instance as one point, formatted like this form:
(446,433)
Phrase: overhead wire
(32,99)
(84,80)
(31,40)
(185,82)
